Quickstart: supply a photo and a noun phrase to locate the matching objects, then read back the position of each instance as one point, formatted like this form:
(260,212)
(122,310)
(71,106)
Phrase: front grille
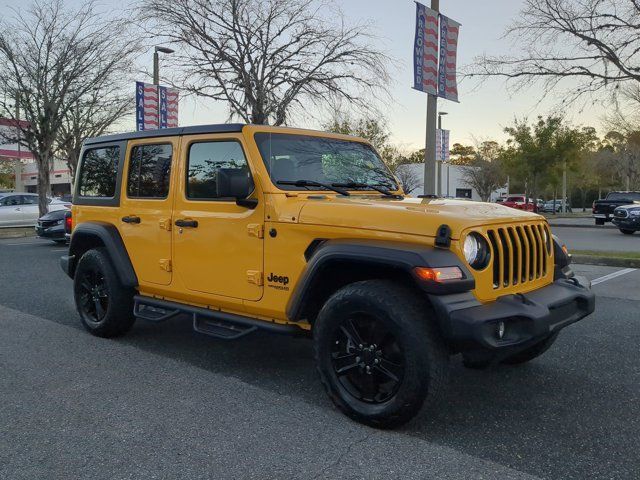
(47,223)
(518,254)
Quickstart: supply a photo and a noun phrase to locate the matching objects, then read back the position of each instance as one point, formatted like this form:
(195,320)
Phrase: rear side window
(98,172)
(210,164)
(149,171)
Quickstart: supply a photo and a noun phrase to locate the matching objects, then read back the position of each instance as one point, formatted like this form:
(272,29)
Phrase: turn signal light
(441,274)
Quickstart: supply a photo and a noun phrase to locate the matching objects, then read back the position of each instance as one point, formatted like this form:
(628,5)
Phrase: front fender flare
(397,255)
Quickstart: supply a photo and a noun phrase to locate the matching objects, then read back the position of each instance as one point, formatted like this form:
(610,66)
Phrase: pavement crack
(341,456)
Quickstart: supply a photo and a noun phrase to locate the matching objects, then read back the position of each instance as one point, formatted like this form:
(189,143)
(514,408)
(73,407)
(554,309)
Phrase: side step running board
(215,323)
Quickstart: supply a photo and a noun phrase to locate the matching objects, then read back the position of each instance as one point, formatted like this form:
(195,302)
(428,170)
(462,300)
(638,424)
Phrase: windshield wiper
(312,183)
(383,188)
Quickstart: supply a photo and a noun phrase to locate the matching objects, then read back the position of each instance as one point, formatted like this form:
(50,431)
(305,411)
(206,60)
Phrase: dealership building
(25,168)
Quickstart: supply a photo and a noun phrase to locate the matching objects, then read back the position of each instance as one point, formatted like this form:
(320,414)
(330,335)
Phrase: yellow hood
(414,216)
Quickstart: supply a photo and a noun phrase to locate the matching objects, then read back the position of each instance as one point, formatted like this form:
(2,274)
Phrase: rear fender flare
(88,235)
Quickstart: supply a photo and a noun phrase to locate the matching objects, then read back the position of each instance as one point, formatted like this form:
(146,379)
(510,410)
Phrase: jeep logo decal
(281,280)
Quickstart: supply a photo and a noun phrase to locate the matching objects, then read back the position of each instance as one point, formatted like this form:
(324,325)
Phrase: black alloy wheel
(379,353)
(93,295)
(367,359)
(104,304)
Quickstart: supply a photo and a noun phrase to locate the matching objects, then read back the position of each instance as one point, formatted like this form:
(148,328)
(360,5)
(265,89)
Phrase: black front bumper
(55,232)
(628,223)
(528,318)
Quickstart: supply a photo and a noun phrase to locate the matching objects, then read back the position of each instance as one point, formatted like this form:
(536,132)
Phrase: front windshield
(633,196)
(323,160)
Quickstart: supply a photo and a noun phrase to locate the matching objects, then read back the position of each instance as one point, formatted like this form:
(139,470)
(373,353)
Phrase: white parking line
(619,273)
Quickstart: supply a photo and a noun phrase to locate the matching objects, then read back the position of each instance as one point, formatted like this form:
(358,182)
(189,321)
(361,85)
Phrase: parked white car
(21,209)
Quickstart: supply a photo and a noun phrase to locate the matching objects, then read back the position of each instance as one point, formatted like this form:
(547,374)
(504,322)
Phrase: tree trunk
(44,183)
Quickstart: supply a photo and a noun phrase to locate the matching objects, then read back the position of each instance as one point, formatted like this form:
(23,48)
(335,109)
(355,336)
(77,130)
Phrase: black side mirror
(236,183)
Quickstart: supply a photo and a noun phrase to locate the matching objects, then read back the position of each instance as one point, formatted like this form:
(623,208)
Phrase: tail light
(68,222)
(593,207)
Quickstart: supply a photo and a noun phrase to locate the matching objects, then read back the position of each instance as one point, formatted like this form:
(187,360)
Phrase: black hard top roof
(168,132)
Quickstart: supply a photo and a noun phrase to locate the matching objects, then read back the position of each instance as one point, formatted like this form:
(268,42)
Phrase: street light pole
(430,149)
(156,62)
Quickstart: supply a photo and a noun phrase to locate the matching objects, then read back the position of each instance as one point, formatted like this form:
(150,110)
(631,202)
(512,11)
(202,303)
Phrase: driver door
(218,245)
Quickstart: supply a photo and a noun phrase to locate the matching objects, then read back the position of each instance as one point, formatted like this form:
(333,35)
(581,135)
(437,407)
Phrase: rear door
(30,209)
(146,201)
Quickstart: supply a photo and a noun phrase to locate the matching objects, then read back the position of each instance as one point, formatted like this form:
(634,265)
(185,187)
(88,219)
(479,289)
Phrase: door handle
(187,223)
(131,219)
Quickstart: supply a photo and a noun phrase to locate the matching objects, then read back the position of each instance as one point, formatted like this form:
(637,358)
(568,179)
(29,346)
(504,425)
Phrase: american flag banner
(172,107)
(425,50)
(447,82)
(147,106)
(442,145)
(168,107)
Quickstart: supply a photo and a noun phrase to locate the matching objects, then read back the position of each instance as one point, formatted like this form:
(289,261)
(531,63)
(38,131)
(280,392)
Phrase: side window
(149,171)
(98,172)
(10,201)
(212,167)
(29,199)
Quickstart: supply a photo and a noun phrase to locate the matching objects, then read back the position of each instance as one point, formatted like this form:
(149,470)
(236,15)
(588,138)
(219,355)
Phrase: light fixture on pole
(156,65)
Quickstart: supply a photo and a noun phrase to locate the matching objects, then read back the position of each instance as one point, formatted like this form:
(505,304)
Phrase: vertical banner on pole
(172,107)
(147,106)
(162,93)
(139,106)
(447,82)
(442,145)
(425,50)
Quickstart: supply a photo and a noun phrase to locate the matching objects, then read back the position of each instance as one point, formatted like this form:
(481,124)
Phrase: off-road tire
(627,232)
(532,352)
(412,323)
(118,315)
(599,221)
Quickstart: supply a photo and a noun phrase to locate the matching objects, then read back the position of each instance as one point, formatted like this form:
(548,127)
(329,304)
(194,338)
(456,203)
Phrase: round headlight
(476,251)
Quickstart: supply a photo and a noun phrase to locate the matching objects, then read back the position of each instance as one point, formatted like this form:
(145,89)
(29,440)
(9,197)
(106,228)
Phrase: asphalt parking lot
(165,402)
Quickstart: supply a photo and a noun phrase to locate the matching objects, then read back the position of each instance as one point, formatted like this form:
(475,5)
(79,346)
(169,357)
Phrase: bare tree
(409,177)
(269,58)
(92,116)
(594,42)
(52,58)
(485,171)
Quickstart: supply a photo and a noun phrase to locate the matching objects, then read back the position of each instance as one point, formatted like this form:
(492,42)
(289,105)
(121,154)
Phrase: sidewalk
(17,232)
(576,222)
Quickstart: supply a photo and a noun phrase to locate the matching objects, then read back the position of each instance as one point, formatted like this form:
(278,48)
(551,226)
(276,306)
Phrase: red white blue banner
(442,145)
(168,107)
(156,107)
(447,82)
(147,106)
(425,50)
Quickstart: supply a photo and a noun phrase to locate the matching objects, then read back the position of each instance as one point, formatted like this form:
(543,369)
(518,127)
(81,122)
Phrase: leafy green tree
(7,175)
(537,153)
(462,154)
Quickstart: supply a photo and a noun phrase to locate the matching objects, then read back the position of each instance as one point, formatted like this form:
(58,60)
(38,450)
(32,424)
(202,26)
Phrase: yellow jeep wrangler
(246,227)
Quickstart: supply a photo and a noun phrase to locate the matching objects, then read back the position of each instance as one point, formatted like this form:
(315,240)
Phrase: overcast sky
(481,114)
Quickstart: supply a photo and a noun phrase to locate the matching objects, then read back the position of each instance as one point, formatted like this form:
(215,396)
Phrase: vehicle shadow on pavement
(543,418)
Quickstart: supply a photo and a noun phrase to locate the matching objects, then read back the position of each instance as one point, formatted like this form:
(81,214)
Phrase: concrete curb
(578,225)
(606,261)
(18,232)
